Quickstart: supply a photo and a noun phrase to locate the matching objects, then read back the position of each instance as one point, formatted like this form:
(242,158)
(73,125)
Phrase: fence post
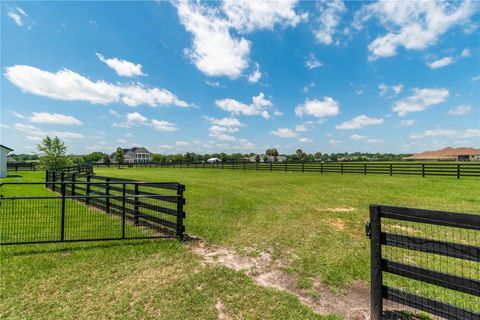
(286,169)
(180,213)
(376,307)
(88,189)
(244,166)
(321,167)
(123,210)
(135,206)
(391,169)
(73,184)
(233,165)
(47,176)
(34,167)
(458,171)
(107,195)
(62,228)
(341,168)
(257,165)
(303,166)
(54,179)
(270,166)
(423,170)
(365,169)
(62,179)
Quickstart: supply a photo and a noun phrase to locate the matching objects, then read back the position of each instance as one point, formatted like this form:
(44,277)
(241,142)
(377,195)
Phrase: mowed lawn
(312,224)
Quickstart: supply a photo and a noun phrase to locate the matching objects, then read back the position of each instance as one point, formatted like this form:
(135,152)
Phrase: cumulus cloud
(389,91)
(466,53)
(440,63)
(258,106)
(328,19)
(215,50)
(68,85)
(162,125)
(408,123)
(420,100)
(36,134)
(255,75)
(53,118)
(450,133)
(413,25)
(460,110)
(221,133)
(305,140)
(136,117)
(225,122)
(326,107)
(312,62)
(359,122)
(122,67)
(284,133)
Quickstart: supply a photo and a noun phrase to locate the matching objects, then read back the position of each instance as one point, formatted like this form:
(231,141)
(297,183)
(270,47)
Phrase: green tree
(275,154)
(257,158)
(299,153)
(265,158)
(52,153)
(118,156)
(318,156)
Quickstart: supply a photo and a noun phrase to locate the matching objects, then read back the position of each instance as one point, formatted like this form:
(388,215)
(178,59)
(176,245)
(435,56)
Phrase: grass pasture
(311,224)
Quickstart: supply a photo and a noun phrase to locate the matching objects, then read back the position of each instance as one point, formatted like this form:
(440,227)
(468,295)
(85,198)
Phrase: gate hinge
(368,230)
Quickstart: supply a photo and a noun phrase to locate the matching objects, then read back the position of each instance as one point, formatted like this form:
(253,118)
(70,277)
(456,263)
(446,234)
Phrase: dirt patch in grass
(340,209)
(266,272)
(337,223)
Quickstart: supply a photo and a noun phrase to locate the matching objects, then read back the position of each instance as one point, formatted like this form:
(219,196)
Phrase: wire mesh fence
(425,264)
(89,211)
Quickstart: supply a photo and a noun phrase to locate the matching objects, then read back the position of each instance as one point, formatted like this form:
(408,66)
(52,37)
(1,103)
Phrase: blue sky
(238,76)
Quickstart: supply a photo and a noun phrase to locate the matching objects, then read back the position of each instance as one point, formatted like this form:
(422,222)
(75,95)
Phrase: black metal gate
(424,260)
(91,211)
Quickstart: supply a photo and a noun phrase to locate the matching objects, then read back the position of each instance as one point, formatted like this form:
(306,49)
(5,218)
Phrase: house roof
(137,150)
(5,147)
(446,153)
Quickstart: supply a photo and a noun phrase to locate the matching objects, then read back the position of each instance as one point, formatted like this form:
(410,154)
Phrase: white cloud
(34,133)
(182,143)
(359,122)
(258,106)
(408,123)
(335,142)
(373,140)
(122,67)
(449,133)
(475,78)
(312,62)
(389,91)
(284,133)
(53,118)
(165,147)
(460,110)
(255,75)
(466,53)
(220,133)
(136,117)
(420,100)
(278,113)
(214,84)
(328,20)
(326,107)
(440,63)
(225,122)
(162,125)
(301,128)
(414,25)
(305,140)
(215,50)
(358,137)
(114,113)
(17,15)
(68,85)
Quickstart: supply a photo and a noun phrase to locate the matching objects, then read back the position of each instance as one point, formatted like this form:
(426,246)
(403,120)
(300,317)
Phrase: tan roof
(447,152)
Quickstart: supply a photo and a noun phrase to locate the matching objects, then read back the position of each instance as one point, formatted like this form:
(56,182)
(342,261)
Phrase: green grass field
(311,225)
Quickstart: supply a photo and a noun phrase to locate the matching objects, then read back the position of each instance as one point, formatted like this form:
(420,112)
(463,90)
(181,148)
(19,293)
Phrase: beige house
(448,154)
(3,160)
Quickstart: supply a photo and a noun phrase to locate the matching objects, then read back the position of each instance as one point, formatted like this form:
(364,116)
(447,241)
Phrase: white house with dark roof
(136,155)
(3,160)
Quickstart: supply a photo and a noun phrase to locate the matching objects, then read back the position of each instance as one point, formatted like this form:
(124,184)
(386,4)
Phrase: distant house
(3,160)
(447,154)
(270,159)
(135,155)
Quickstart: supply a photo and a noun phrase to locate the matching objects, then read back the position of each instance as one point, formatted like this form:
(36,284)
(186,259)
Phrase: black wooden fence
(22,166)
(91,208)
(424,260)
(458,170)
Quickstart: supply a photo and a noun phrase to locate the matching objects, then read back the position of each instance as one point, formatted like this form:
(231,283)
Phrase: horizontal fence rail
(424,260)
(421,169)
(87,208)
(22,166)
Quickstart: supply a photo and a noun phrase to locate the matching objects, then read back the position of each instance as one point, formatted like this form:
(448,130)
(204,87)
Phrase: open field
(310,226)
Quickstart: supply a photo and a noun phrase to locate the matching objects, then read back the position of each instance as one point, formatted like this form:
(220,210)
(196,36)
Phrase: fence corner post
(136,218)
(180,213)
(376,279)
(458,171)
